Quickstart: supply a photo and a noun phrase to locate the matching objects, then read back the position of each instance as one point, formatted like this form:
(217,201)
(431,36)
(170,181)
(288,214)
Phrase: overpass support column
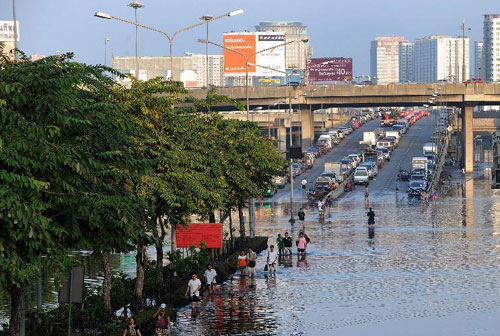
(307,127)
(468,138)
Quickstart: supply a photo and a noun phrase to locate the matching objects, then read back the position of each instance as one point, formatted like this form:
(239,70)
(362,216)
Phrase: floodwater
(424,270)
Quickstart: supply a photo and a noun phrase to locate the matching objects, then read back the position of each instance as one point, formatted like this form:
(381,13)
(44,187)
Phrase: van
(386,144)
(361,175)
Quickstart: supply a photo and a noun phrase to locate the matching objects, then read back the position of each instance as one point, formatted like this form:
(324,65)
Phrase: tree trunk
(106,283)
(159,260)
(16,302)
(242,221)
(211,217)
(141,261)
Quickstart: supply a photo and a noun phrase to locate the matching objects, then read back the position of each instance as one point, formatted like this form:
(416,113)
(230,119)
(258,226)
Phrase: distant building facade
(189,69)
(384,59)
(406,65)
(491,47)
(439,57)
(478,60)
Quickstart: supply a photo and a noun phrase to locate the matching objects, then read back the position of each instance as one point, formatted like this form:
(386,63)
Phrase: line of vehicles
(361,166)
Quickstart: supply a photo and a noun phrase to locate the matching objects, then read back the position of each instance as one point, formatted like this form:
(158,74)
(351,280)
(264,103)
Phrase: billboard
(195,233)
(7,31)
(252,45)
(329,69)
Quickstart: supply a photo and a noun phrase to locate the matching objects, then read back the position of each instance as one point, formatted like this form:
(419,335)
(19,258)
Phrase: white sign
(273,57)
(7,31)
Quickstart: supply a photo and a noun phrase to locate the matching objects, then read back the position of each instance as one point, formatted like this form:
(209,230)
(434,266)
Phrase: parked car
(314,150)
(385,153)
(416,188)
(279,181)
(372,168)
(297,168)
(361,175)
(349,162)
(405,175)
(271,191)
(418,174)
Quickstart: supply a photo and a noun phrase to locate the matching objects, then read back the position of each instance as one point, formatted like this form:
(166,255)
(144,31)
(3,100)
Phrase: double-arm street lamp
(172,37)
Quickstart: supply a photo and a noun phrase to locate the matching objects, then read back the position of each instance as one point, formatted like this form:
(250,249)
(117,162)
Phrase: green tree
(66,159)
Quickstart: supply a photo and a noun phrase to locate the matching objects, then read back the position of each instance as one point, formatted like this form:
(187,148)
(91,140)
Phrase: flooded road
(424,270)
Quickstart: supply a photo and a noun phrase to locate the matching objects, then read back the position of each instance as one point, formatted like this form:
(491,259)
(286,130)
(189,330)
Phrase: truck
(372,156)
(419,163)
(429,148)
(388,119)
(335,167)
(394,134)
(369,138)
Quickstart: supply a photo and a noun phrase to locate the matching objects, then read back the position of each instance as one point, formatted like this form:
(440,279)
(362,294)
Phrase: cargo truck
(335,167)
(419,163)
(369,139)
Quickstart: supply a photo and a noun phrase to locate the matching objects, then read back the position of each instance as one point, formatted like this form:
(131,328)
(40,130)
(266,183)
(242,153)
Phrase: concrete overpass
(307,98)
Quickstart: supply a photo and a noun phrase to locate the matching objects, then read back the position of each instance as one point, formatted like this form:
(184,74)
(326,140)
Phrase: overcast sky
(341,28)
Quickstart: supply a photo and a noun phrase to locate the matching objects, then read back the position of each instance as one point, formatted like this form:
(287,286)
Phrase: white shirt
(210,275)
(193,287)
(272,257)
(304,182)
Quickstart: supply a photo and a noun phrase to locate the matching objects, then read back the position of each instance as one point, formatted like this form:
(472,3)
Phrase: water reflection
(421,265)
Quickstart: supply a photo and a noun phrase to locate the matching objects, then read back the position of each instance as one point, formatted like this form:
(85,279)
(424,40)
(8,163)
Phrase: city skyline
(340,35)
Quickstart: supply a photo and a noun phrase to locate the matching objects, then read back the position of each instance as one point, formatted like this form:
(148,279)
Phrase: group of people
(247,261)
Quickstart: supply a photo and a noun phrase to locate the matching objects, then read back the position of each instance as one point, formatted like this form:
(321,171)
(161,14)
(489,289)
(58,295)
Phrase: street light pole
(106,40)
(170,38)
(207,17)
(136,5)
(14,17)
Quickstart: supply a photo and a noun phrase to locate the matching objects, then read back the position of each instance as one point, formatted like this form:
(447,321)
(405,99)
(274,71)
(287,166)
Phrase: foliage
(122,291)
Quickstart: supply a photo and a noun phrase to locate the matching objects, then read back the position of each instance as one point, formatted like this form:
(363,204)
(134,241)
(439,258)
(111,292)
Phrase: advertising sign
(245,43)
(273,57)
(195,233)
(7,31)
(329,69)
(260,48)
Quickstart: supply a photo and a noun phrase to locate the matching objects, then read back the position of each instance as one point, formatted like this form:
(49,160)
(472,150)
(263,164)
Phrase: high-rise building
(439,57)
(296,53)
(491,47)
(406,62)
(189,69)
(478,60)
(384,59)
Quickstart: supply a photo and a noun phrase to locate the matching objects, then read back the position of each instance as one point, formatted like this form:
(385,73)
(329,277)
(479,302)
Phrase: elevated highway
(308,98)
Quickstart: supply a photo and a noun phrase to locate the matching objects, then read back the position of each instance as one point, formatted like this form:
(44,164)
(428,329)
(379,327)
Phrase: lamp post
(136,5)
(207,18)
(106,40)
(172,37)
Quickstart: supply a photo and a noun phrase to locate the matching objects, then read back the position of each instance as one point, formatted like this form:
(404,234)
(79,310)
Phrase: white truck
(334,167)
(429,148)
(394,134)
(419,163)
(369,138)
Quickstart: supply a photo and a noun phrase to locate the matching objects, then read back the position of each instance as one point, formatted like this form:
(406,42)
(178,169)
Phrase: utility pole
(463,52)
(136,5)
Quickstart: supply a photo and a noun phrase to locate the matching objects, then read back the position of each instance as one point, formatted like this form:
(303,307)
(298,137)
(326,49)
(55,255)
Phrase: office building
(296,53)
(189,69)
(406,62)
(384,59)
(491,47)
(478,60)
(439,57)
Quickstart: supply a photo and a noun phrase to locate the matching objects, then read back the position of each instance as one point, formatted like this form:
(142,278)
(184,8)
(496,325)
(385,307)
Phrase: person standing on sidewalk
(252,262)
(242,263)
(210,275)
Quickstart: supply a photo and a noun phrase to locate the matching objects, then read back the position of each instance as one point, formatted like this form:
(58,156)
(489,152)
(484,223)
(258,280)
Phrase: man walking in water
(303,185)
(371,217)
(367,194)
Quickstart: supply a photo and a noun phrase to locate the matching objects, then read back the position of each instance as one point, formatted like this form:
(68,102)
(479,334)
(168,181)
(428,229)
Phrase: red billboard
(195,233)
(329,69)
